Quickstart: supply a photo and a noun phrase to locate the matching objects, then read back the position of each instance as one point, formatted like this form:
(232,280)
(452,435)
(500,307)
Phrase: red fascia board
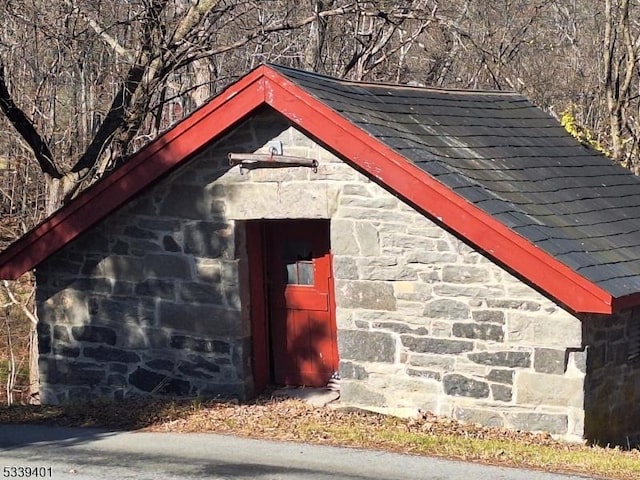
(415,185)
(152,161)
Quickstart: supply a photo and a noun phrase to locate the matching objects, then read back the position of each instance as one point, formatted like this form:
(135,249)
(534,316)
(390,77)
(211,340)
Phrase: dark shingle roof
(509,158)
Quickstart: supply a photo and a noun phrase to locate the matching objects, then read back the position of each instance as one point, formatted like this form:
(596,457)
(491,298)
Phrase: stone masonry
(612,387)
(155,298)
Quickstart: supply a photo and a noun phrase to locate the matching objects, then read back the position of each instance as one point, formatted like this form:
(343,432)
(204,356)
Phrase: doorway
(293,328)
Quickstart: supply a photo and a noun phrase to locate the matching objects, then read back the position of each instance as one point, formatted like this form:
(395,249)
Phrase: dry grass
(294,420)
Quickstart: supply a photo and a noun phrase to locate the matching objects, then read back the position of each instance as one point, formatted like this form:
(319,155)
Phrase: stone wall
(425,322)
(612,390)
(155,298)
(150,300)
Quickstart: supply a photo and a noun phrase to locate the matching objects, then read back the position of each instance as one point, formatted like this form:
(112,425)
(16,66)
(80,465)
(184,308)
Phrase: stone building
(450,251)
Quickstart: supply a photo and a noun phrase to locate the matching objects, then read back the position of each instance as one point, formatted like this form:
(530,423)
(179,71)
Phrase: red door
(300,302)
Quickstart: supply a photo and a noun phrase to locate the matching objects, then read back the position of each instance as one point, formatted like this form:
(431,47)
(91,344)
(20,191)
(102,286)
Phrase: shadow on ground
(16,436)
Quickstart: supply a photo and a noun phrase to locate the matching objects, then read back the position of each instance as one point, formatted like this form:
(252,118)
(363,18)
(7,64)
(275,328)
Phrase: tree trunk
(34,370)
(317,36)
(619,66)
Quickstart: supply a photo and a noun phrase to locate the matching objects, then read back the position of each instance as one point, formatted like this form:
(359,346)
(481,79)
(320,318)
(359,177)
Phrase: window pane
(298,260)
(305,273)
(292,274)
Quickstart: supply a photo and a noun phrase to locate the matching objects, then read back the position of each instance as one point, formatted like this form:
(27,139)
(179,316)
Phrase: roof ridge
(285,68)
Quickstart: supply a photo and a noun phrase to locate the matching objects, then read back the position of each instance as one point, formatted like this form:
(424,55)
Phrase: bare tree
(91,81)
(620,70)
(158,37)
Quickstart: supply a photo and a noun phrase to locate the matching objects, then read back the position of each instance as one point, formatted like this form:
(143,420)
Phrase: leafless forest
(83,83)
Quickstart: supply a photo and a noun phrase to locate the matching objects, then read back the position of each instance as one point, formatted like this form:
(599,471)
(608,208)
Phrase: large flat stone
(478,331)
(186,201)
(270,200)
(121,267)
(501,376)
(559,329)
(66,306)
(556,424)
(490,418)
(208,239)
(354,392)
(541,389)
(150,381)
(205,320)
(345,268)
(474,291)
(196,344)
(363,294)
(56,371)
(493,316)
(549,360)
(441,346)
(406,242)
(502,359)
(427,257)
(459,385)
(367,238)
(135,231)
(350,370)
(104,353)
(167,266)
(395,273)
(95,334)
(446,309)
(439,362)
(465,274)
(135,311)
(156,288)
(400,327)
(201,292)
(343,239)
(366,346)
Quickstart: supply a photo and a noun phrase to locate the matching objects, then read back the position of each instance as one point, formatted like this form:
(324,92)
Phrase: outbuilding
(444,250)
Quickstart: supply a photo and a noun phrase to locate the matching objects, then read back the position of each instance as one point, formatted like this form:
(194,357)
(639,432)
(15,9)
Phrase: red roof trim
(115,190)
(439,201)
(361,149)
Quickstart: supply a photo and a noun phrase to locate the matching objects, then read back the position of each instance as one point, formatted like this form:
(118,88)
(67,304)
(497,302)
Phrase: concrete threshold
(316,397)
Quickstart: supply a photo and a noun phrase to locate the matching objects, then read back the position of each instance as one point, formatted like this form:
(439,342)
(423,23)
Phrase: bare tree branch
(23,306)
(277,27)
(106,37)
(26,128)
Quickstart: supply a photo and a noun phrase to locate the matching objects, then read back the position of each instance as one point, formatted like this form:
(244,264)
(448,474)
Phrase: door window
(298,260)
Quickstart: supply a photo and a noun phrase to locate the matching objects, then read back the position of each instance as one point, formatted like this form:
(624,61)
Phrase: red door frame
(254,234)
(260,337)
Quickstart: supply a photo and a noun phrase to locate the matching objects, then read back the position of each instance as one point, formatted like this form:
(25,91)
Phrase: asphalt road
(82,454)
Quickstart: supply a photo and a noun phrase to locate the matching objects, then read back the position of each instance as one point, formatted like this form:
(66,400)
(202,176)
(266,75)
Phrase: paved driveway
(83,454)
